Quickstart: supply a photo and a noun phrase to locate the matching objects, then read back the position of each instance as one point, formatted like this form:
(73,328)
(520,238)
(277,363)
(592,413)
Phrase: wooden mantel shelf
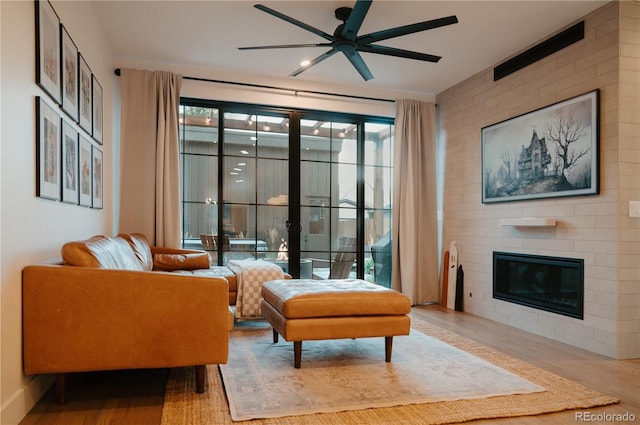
(528,222)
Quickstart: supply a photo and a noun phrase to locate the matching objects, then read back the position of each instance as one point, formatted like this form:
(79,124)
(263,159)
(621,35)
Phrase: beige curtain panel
(415,237)
(149,156)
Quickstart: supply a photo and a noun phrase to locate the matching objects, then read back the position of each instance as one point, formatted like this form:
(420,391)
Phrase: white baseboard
(20,403)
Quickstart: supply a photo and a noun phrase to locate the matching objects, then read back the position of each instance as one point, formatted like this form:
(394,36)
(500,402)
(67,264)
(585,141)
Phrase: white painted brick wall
(629,181)
(594,228)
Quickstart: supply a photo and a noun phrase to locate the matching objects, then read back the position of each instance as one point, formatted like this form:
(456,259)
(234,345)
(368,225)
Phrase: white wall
(33,229)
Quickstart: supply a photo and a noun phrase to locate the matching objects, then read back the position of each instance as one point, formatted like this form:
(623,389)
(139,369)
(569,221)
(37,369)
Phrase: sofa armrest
(82,319)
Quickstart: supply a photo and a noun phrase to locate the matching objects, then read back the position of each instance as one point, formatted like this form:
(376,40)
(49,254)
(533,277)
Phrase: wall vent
(539,51)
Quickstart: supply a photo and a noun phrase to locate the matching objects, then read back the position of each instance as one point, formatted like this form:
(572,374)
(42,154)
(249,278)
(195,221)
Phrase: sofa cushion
(184,261)
(218,271)
(102,252)
(140,246)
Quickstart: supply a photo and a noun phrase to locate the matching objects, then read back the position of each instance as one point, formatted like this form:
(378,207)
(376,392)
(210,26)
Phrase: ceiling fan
(345,38)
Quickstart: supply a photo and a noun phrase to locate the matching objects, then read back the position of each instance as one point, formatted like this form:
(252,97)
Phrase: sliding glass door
(199,148)
(309,191)
(329,196)
(377,186)
(255,184)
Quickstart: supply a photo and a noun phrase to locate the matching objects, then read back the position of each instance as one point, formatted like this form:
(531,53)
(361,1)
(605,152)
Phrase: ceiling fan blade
(295,22)
(314,62)
(285,46)
(358,63)
(406,29)
(354,22)
(392,51)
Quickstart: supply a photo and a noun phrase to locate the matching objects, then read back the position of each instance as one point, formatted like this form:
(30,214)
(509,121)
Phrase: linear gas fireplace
(553,284)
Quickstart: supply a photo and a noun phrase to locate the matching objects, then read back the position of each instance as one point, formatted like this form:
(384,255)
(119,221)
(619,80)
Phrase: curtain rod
(295,91)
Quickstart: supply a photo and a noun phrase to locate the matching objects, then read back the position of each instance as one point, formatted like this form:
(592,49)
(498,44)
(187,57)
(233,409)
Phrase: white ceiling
(207,34)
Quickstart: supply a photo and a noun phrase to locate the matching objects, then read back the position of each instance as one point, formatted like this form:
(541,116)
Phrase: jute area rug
(471,392)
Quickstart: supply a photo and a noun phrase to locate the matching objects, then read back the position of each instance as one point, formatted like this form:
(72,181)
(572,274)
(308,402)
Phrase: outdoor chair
(341,265)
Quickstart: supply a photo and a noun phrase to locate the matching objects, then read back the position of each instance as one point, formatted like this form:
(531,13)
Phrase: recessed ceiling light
(305,62)
(244,152)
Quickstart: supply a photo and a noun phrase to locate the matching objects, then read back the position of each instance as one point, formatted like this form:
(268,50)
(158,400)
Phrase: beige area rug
(351,374)
(461,400)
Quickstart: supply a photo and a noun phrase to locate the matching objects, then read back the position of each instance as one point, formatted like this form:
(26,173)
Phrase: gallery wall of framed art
(69,129)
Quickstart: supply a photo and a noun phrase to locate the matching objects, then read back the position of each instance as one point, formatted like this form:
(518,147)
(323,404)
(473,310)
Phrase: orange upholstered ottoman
(306,309)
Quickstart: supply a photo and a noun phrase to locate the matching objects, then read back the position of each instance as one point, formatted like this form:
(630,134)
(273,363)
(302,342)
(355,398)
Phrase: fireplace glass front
(553,284)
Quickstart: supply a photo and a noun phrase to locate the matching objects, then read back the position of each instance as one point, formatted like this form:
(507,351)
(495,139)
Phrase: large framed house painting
(546,153)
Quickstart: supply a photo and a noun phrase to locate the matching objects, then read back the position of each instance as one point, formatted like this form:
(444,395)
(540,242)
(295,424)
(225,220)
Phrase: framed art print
(48,136)
(69,75)
(97,178)
(547,153)
(70,180)
(84,156)
(48,49)
(97,109)
(84,100)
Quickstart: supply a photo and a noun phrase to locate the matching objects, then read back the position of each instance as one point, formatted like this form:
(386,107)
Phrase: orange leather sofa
(118,303)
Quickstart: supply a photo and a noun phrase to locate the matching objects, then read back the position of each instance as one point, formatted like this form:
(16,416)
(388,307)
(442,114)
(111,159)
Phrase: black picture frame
(86,173)
(97,194)
(69,72)
(84,95)
(70,178)
(96,110)
(48,75)
(550,152)
(48,140)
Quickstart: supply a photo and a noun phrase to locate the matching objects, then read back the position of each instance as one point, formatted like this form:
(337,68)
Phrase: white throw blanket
(251,275)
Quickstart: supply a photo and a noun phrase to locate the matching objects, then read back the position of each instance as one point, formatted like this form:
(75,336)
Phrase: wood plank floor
(135,397)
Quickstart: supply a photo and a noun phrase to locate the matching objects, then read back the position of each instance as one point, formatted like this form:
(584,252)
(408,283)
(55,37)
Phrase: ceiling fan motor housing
(342,13)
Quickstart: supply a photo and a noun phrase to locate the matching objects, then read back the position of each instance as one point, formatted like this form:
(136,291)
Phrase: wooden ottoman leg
(297,353)
(275,336)
(388,344)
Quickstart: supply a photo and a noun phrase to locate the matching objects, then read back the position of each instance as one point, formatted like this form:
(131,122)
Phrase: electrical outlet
(634,208)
